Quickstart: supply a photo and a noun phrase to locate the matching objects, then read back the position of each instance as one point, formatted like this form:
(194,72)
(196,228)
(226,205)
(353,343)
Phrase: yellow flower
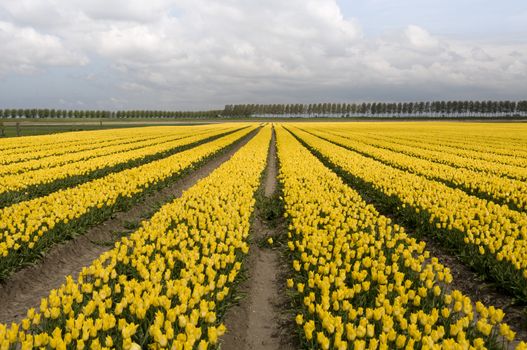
(309,327)
(135,346)
(299,319)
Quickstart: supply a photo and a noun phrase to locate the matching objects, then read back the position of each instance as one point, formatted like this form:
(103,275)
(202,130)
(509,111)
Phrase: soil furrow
(256,321)
(25,288)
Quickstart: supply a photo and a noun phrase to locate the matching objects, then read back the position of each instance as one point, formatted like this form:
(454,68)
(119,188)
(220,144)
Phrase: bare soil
(256,322)
(25,288)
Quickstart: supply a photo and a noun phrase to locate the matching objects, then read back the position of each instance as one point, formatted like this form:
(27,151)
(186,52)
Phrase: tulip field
(357,202)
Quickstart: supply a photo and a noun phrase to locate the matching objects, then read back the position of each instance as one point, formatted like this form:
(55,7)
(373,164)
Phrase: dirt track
(255,323)
(25,288)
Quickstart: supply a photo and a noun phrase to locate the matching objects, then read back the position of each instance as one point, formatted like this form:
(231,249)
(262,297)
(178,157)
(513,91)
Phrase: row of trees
(383,109)
(366,109)
(61,113)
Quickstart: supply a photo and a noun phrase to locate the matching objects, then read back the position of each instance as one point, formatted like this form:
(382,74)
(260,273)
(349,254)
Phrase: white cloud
(137,42)
(25,50)
(420,38)
(122,10)
(185,52)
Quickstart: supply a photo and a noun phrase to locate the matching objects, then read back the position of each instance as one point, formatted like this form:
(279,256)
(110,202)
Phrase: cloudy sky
(200,54)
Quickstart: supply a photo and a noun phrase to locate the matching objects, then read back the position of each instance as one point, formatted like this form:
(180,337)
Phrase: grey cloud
(192,53)
(24,50)
(480,55)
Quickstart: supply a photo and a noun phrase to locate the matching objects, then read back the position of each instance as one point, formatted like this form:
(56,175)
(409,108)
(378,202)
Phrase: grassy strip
(37,130)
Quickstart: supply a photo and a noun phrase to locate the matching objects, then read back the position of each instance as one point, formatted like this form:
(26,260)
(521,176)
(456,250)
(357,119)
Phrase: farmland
(307,235)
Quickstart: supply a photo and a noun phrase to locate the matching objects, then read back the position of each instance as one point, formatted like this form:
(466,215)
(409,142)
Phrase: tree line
(434,109)
(384,109)
(101,114)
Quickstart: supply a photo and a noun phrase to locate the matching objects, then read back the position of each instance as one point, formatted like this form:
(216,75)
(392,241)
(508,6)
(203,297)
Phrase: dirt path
(25,288)
(256,322)
(272,170)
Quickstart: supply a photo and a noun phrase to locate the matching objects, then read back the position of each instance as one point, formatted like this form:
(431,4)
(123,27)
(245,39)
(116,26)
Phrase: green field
(39,127)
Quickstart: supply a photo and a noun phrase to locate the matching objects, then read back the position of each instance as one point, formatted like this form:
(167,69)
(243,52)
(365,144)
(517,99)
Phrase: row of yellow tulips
(165,285)
(491,237)
(28,227)
(32,147)
(505,167)
(506,139)
(360,281)
(503,151)
(77,153)
(30,184)
(499,189)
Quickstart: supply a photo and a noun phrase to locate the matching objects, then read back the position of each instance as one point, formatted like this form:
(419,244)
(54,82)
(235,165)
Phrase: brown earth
(25,288)
(256,322)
